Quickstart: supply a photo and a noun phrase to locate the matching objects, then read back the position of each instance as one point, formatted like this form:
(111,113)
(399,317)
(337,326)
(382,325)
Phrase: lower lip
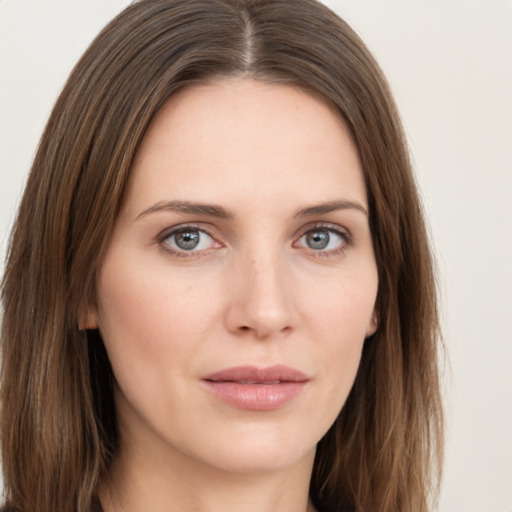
(255,397)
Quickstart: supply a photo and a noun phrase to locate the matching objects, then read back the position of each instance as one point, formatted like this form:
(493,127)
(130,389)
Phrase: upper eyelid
(178,252)
(343,233)
(323,225)
(298,234)
(169,231)
(200,226)
(346,242)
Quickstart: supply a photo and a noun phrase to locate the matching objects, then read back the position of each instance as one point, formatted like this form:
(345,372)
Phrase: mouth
(256,389)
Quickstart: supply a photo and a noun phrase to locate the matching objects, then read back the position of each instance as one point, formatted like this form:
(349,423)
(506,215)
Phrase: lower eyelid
(344,243)
(168,233)
(344,235)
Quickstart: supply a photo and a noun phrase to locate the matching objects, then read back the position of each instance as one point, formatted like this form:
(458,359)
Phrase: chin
(253,461)
(257,449)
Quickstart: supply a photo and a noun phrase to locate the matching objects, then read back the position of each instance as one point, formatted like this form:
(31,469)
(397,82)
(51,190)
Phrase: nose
(261,299)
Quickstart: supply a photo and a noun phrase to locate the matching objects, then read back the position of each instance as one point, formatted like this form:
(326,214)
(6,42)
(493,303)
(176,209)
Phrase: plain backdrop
(449,63)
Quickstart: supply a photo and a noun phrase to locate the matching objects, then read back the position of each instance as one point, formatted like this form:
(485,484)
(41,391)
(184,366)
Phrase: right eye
(187,239)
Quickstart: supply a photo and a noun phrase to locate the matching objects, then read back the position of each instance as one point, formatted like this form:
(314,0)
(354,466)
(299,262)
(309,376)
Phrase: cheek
(343,307)
(339,318)
(140,306)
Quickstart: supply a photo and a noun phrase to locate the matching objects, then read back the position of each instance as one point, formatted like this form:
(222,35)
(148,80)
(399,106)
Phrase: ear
(373,324)
(88,318)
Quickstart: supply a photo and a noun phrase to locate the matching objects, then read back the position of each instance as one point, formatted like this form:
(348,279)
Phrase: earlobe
(88,318)
(373,325)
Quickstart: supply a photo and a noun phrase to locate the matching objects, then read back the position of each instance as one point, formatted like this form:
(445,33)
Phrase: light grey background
(449,63)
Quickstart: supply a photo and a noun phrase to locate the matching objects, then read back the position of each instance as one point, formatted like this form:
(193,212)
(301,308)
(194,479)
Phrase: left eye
(322,239)
(188,239)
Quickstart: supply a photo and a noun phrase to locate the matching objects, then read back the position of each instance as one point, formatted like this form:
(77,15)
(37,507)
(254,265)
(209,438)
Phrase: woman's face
(240,282)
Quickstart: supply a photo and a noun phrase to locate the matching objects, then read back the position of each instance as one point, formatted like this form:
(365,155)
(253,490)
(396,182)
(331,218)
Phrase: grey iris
(317,239)
(187,239)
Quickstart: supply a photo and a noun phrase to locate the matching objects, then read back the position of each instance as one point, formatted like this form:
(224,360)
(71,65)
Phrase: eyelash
(168,233)
(345,237)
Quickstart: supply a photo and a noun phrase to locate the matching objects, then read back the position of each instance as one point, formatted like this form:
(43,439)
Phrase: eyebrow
(212,210)
(188,207)
(331,206)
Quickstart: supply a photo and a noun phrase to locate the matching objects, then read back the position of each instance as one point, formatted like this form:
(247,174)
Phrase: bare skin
(243,240)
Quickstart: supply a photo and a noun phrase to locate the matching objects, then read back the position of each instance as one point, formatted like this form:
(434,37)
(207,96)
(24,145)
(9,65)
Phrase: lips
(256,389)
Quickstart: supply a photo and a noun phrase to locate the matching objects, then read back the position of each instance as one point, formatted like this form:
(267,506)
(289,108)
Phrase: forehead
(241,136)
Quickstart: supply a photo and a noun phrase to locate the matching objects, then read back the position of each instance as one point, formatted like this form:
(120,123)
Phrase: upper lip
(254,375)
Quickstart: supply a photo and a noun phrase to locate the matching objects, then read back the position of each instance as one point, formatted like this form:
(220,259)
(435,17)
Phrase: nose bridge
(262,299)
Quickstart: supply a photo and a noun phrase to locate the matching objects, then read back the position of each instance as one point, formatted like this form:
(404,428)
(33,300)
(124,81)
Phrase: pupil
(187,240)
(317,239)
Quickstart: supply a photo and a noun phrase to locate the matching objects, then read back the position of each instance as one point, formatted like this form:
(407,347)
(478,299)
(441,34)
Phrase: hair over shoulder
(58,422)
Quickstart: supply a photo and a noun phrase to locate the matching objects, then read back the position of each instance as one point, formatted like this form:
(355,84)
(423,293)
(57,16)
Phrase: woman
(219,292)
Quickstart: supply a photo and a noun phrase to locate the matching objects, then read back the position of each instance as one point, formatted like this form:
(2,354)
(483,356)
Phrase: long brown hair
(58,423)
